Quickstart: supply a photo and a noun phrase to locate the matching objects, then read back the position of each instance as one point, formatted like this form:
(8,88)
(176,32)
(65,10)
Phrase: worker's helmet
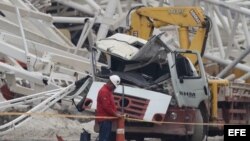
(115,79)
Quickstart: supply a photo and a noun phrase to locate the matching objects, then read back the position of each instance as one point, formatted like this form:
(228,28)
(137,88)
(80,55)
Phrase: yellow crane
(143,20)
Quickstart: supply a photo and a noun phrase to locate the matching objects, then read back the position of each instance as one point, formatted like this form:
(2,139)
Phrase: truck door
(189,82)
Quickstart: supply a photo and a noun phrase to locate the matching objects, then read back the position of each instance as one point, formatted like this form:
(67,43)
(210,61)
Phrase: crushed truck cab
(158,84)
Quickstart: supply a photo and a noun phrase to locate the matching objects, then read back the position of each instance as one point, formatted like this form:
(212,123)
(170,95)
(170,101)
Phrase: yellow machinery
(145,19)
(214,86)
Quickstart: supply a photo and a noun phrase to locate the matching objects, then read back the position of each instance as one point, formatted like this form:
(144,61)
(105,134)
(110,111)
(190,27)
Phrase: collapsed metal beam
(41,107)
(13,28)
(94,5)
(235,8)
(217,34)
(226,62)
(77,6)
(35,77)
(70,19)
(24,40)
(19,54)
(38,47)
(24,12)
(110,10)
(234,63)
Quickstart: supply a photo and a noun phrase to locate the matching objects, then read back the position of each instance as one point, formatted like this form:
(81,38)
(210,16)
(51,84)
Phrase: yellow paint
(214,86)
(145,19)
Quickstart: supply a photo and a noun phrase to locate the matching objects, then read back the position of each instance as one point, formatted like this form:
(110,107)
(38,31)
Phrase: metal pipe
(235,8)
(76,6)
(214,101)
(25,12)
(229,18)
(217,34)
(231,35)
(92,60)
(224,23)
(123,99)
(38,47)
(30,5)
(70,19)
(85,33)
(21,4)
(234,1)
(26,99)
(104,28)
(35,77)
(228,26)
(24,40)
(234,63)
(214,87)
(245,29)
(226,62)
(94,5)
(110,10)
(245,3)
(41,107)
(92,55)
(91,44)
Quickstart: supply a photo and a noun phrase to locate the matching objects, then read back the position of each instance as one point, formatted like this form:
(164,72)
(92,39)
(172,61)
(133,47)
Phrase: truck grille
(134,107)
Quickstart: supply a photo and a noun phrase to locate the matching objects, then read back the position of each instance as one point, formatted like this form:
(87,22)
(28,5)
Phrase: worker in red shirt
(106,107)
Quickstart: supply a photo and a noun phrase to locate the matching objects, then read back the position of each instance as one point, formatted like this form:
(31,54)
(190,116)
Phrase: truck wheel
(200,130)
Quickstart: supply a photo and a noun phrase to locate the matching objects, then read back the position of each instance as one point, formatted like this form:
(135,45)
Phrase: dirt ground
(42,128)
(46,129)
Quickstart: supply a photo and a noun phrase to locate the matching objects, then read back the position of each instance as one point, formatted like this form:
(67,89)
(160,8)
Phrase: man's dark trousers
(105,130)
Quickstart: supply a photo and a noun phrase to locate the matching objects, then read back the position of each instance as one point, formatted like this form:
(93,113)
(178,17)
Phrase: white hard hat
(115,79)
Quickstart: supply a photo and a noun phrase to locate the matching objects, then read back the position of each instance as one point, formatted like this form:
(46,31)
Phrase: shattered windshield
(154,49)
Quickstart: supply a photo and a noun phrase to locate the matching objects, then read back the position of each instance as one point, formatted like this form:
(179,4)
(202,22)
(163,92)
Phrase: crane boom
(145,19)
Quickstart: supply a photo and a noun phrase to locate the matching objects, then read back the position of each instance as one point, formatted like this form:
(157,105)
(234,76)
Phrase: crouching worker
(106,107)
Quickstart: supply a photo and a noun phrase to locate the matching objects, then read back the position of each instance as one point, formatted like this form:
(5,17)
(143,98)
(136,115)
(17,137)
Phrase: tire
(201,117)
(199,130)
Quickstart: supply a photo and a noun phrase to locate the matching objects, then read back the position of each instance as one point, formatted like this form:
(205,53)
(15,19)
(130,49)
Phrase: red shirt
(105,103)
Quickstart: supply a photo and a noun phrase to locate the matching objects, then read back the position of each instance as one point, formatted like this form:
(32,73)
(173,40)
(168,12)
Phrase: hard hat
(115,79)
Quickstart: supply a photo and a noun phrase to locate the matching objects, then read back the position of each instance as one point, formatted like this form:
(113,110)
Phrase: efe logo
(232,132)
(236,132)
